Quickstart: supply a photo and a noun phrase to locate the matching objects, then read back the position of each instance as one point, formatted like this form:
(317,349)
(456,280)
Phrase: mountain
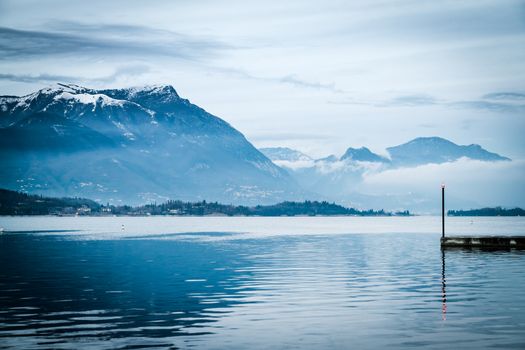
(363,154)
(328,159)
(426,150)
(43,132)
(328,177)
(287,158)
(133,145)
(349,179)
(284,153)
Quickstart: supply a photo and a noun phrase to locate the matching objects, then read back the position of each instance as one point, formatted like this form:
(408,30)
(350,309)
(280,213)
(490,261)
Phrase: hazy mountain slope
(44,131)
(133,145)
(363,154)
(284,154)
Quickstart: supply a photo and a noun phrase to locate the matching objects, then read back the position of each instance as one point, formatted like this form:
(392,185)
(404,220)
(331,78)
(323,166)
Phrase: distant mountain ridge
(425,150)
(133,145)
(419,151)
(144,144)
(363,154)
(284,153)
(341,178)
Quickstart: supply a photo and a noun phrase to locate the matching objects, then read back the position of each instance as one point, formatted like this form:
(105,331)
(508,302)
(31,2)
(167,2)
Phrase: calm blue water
(266,283)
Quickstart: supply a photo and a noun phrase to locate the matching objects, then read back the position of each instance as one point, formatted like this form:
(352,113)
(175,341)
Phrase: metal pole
(443,211)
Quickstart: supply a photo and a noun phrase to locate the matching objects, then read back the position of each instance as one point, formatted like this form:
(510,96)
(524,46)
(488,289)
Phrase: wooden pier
(490,242)
(482,242)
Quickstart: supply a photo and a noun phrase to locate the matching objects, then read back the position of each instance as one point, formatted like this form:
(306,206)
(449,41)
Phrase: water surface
(238,283)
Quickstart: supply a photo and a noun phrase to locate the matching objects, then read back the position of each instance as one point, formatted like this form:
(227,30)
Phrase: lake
(257,283)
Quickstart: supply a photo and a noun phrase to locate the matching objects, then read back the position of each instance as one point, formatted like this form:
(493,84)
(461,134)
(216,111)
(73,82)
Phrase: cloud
(428,125)
(505,96)
(285,136)
(413,100)
(294,80)
(133,70)
(291,79)
(489,106)
(503,104)
(102,40)
(482,183)
(508,102)
(26,78)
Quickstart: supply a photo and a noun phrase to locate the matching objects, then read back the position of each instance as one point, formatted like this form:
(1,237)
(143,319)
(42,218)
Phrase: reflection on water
(443,285)
(212,290)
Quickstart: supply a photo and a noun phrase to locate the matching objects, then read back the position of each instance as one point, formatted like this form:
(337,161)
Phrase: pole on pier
(442,210)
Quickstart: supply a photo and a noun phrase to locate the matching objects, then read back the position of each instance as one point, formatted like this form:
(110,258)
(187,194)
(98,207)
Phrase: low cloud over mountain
(407,176)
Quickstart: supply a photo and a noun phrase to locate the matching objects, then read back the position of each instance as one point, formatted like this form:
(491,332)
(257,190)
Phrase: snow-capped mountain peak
(87,98)
(129,141)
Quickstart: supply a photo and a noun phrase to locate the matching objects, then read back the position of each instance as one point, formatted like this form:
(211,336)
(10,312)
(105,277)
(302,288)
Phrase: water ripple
(378,290)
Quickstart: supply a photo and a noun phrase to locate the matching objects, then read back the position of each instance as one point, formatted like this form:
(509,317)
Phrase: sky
(318,76)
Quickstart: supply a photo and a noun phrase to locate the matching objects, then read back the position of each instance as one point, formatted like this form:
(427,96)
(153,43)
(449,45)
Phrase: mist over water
(265,283)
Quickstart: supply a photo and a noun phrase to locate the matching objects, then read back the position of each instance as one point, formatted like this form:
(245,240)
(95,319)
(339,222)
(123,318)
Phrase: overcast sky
(318,76)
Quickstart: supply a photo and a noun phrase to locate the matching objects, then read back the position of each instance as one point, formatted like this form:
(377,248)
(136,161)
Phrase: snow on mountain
(128,145)
(86,98)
